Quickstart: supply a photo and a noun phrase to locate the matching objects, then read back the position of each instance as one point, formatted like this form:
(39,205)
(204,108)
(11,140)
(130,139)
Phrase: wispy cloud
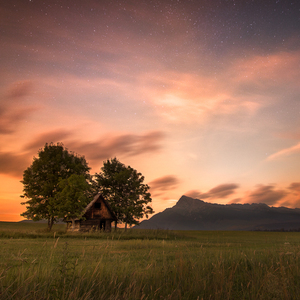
(13,108)
(295,187)
(125,145)
(267,194)
(163,184)
(243,87)
(219,192)
(58,135)
(13,164)
(285,152)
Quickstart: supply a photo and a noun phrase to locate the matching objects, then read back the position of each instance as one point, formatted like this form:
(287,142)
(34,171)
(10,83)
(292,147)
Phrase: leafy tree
(41,181)
(125,191)
(74,197)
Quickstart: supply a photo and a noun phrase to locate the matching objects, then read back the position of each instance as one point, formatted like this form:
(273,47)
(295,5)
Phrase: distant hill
(194,214)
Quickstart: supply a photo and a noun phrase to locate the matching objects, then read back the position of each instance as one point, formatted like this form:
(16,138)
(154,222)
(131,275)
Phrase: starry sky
(200,96)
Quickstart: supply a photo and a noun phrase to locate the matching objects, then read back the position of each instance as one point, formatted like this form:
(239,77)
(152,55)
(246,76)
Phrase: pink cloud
(263,71)
(163,184)
(266,194)
(194,194)
(285,152)
(40,140)
(243,87)
(13,108)
(219,192)
(295,186)
(13,164)
(123,145)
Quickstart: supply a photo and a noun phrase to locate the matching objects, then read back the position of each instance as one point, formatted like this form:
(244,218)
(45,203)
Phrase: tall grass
(39,230)
(194,265)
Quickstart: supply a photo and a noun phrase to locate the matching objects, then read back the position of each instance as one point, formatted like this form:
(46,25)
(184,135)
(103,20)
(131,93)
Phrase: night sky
(201,97)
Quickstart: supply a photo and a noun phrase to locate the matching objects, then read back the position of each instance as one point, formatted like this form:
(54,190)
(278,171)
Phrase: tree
(125,191)
(41,181)
(73,197)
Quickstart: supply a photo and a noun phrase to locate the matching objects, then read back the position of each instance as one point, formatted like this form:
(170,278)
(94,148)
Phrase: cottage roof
(99,195)
(90,205)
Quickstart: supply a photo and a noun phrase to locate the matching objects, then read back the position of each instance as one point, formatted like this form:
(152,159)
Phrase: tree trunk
(73,224)
(50,223)
(125,226)
(116,226)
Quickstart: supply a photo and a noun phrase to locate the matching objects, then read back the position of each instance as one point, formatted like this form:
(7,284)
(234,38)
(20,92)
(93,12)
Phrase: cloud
(188,98)
(285,152)
(123,145)
(106,147)
(218,192)
(242,87)
(48,137)
(19,90)
(235,201)
(194,194)
(222,190)
(268,194)
(13,109)
(262,72)
(163,184)
(295,187)
(294,198)
(13,164)
(10,119)
(265,194)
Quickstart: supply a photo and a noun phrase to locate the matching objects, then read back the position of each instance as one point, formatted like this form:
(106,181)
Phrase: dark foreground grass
(183,265)
(39,230)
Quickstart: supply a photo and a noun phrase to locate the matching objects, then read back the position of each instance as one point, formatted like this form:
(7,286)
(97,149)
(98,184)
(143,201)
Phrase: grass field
(147,264)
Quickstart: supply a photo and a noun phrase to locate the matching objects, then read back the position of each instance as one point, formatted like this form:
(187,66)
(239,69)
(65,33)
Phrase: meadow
(147,264)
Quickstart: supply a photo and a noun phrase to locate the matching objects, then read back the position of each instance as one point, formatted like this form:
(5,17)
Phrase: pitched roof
(99,195)
(93,202)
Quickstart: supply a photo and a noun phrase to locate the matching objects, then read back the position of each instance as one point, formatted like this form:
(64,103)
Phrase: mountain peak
(185,200)
(194,214)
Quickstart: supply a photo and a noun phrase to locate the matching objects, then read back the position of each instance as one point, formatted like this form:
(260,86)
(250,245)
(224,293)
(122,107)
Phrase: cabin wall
(70,226)
(98,213)
(105,213)
(97,217)
(89,225)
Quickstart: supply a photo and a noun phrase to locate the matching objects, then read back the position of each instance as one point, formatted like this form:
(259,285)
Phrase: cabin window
(98,205)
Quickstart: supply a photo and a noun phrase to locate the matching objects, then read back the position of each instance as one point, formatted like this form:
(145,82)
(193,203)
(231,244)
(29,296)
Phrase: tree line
(58,184)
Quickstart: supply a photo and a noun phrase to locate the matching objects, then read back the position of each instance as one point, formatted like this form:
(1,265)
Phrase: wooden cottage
(96,216)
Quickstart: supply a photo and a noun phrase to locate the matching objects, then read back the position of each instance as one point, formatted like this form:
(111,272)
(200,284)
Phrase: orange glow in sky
(201,97)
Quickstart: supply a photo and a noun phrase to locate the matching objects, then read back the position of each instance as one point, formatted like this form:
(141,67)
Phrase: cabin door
(102,225)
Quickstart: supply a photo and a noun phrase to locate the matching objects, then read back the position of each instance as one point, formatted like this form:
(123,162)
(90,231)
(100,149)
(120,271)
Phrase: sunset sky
(201,97)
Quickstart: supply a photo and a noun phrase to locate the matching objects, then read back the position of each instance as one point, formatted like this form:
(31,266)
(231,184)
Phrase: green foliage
(41,181)
(125,191)
(73,196)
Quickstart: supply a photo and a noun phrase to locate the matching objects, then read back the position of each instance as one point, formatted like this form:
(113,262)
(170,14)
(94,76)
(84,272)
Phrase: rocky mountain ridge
(194,214)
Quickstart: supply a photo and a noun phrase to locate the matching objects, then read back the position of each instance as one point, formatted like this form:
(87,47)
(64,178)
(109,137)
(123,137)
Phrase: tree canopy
(44,185)
(125,191)
(73,197)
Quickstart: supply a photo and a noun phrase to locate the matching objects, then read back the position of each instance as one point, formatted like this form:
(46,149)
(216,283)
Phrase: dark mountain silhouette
(194,214)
